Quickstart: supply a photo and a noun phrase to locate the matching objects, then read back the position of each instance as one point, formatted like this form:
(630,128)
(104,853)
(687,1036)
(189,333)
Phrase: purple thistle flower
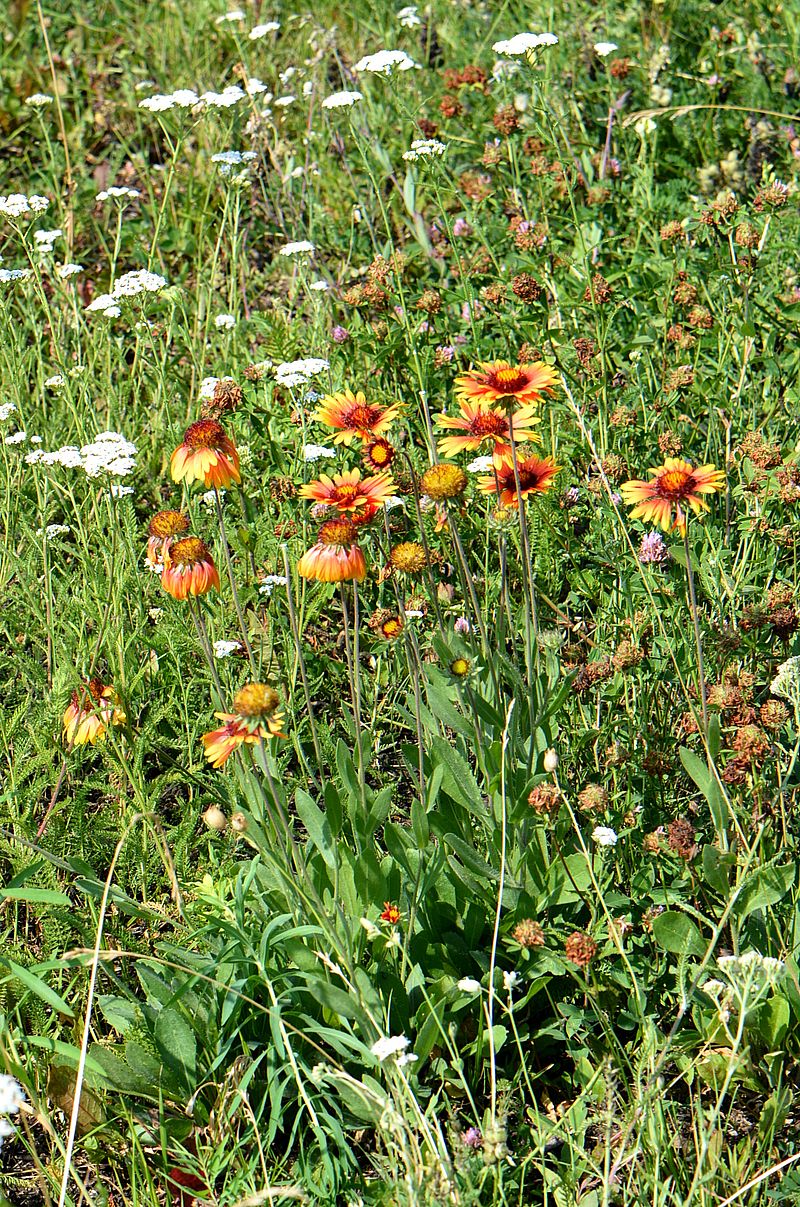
(340,334)
(652,548)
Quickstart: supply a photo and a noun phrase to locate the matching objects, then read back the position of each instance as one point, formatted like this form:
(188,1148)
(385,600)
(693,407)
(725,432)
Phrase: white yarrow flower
(605,48)
(520,44)
(261,31)
(300,248)
(425,148)
(468,984)
(38,100)
(225,322)
(342,100)
(604,836)
(224,649)
(313,452)
(384,61)
(391,1045)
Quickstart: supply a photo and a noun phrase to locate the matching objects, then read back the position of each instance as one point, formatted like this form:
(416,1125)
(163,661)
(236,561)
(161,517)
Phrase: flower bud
(238,822)
(550,760)
(214,818)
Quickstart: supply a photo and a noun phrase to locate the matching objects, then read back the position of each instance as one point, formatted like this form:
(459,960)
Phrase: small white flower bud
(214,818)
(550,760)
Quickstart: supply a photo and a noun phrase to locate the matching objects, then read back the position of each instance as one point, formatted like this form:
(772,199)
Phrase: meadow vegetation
(400,662)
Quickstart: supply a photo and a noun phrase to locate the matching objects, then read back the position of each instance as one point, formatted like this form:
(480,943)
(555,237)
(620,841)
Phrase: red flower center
(529,479)
(380,453)
(361,417)
(674,484)
(489,423)
(168,523)
(510,380)
(206,433)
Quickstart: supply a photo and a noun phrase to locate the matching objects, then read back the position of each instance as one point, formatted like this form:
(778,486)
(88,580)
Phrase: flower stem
(236,601)
(697,635)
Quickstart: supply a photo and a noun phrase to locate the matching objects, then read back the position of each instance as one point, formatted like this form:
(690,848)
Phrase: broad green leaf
(764,887)
(317,827)
(678,933)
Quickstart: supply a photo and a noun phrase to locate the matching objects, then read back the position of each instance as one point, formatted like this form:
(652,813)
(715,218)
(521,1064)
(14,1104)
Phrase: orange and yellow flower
(90,713)
(351,416)
(349,492)
(206,455)
(479,422)
(674,486)
(190,569)
(378,454)
(499,379)
(390,912)
(255,717)
(336,557)
(535,474)
(162,531)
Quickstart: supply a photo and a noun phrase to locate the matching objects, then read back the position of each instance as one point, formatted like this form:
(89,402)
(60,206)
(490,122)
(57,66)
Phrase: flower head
(348,492)
(351,416)
(443,482)
(378,454)
(673,487)
(255,717)
(336,557)
(535,474)
(478,423)
(190,569)
(390,913)
(162,530)
(206,455)
(498,380)
(90,713)
(409,557)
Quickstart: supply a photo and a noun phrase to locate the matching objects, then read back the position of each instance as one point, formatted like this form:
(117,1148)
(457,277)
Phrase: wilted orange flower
(348,492)
(478,422)
(673,487)
(162,530)
(336,557)
(90,713)
(206,455)
(499,379)
(255,717)
(190,569)
(352,416)
(536,476)
(390,913)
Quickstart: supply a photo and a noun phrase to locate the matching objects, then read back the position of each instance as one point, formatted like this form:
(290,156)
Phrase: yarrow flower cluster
(129,285)
(787,681)
(393,1045)
(17,205)
(109,453)
(520,44)
(38,100)
(425,148)
(383,62)
(342,100)
(300,248)
(117,192)
(228,160)
(298,372)
(12,1097)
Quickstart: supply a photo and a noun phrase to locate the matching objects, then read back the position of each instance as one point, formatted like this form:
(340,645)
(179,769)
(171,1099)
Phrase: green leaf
(470,857)
(40,988)
(419,823)
(44,896)
(677,933)
(771,1020)
(457,780)
(764,887)
(177,1044)
(317,827)
(717,867)
(705,779)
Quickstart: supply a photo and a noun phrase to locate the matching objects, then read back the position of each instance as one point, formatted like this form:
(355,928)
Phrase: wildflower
(349,492)
(580,949)
(224,649)
(342,100)
(90,713)
(520,44)
(604,836)
(16,438)
(255,717)
(302,247)
(162,530)
(215,819)
(605,48)
(17,205)
(409,17)
(373,931)
(378,454)
(681,838)
(53,383)
(443,482)
(425,148)
(473,1138)
(535,475)
(390,913)
(12,1097)
(468,984)
(545,799)
(384,62)
(497,381)
(224,322)
(550,760)
(787,681)
(409,557)
(528,933)
(297,372)
(190,569)
(673,485)
(510,980)
(261,31)
(652,549)
(336,556)
(388,1046)
(593,798)
(117,193)
(461,626)
(206,455)
(480,423)
(54,530)
(38,100)
(268,584)
(460,667)
(352,416)
(340,335)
